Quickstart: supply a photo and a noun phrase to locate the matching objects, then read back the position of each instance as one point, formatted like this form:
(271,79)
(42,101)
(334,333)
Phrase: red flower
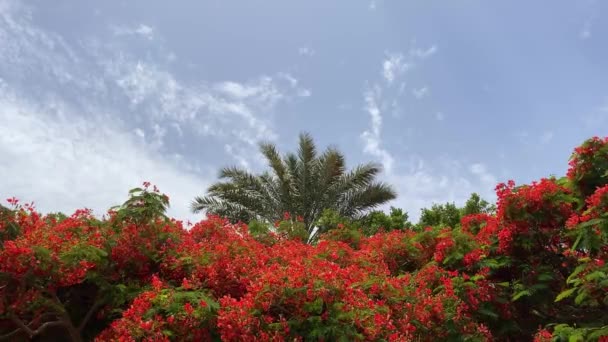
(157,284)
(543,335)
(188,308)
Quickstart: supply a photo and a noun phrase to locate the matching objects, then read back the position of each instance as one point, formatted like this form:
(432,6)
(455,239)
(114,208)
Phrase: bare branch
(89,314)
(9,336)
(21,325)
(31,333)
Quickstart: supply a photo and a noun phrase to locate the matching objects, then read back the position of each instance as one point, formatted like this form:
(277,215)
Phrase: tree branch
(7,337)
(31,333)
(87,317)
(21,325)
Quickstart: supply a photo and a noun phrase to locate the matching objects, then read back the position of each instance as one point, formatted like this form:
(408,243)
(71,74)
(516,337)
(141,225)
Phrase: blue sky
(450,97)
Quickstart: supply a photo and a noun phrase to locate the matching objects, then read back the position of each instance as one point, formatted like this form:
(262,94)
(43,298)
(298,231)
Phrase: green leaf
(577,270)
(578,240)
(603,331)
(520,294)
(590,223)
(579,299)
(564,294)
(42,253)
(134,190)
(597,275)
(576,338)
(477,277)
(487,312)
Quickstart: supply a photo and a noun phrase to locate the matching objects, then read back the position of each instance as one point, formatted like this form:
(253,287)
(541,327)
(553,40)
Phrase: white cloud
(98,126)
(64,161)
(242,160)
(139,132)
(304,93)
(421,92)
(485,177)
(420,182)
(372,137)
(237,90)
(306,51)
(393,66)
(158,135)
(145,31)
(371,100)
(265,89)
(178,129)
(422,54)
(396,64)
(142,30)
(289,78)
(239,112)
(225,110)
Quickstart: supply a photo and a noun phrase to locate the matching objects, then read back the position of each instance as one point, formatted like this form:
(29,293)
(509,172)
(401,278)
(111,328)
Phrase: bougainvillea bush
(535,270)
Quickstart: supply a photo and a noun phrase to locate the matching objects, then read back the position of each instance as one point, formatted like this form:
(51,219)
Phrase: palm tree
(302,184)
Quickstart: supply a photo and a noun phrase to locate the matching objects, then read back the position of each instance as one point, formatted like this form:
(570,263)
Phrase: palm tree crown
(302,184)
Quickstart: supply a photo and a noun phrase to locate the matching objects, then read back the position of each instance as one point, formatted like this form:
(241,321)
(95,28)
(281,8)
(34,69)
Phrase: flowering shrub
(534,270)
(589,165)
(163,313)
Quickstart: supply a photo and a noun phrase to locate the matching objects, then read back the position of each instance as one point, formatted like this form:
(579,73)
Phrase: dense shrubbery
(532,269)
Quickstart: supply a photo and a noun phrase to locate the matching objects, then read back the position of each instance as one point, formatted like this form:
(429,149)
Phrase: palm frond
(302,183)
(358,201)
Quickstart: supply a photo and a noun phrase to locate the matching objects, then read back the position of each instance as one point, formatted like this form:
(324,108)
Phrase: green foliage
(331,219)
(397,219)
(565,332)
(587,237)
(449,215)
(9,230)
(258,229)
(171,302)
(476,205)
(84,252)
(293,230)
(440,215)
(346,234)
(588,165)
(143,205)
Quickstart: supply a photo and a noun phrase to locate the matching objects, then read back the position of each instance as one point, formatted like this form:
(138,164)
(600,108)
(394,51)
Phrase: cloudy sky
(450,97)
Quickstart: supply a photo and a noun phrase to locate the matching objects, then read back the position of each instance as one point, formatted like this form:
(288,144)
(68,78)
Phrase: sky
(450,97)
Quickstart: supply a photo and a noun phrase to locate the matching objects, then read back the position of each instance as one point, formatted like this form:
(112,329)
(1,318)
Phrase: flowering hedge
(534,270)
